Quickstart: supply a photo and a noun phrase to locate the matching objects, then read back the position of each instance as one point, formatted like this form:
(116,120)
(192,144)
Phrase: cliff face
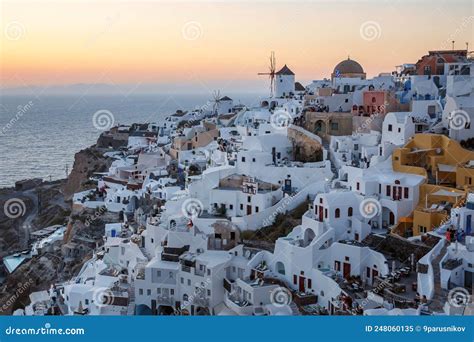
(86,163)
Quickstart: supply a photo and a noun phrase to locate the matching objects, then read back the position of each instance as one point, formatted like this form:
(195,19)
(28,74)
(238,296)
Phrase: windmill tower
(216,100)
(271,73)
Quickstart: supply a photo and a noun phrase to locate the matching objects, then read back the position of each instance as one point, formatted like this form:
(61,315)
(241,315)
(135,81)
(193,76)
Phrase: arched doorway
(308,236)
(388,218)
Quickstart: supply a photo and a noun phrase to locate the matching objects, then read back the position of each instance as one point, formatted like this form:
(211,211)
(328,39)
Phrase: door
(337,266)
(346,270)
(301,284)
(391,218)
(468,279)
(320,210)
(249,210)
(375,273)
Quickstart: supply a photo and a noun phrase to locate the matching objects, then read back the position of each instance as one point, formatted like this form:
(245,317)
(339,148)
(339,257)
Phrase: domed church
(348,68)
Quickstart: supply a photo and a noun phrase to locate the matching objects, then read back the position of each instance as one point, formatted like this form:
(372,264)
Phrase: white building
(284,82)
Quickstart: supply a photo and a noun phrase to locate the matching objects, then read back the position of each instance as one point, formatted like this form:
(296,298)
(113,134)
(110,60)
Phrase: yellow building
(449,173)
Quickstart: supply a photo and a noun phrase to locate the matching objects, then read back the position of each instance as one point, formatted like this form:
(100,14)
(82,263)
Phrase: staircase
(131,303)
(439,296)
(294,309)
(145,253)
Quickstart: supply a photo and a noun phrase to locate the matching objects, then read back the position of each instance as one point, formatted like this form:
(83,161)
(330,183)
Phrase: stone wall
(306,146)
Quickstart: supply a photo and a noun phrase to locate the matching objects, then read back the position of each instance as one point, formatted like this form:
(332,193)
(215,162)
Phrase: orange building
(449,173)
(433,62)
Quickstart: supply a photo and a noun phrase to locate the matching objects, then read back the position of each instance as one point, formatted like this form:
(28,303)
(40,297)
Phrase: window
(388,190)
(253,160)
(241,207)
(389,128)
(349,212)
(171,275)
(232,235)
(209,293)
(358,186)
(208,272)
(158,290)
(334,126)
(231,206)
(295,279)
(326,213)
(243,159)
(310,285)
(346,258)
(182,280)
(374,100)
(405,192)
(158,274)
(249,199)
(189,282)
(148,292)
(87,301)
(140,292)
(399,129)
(431,110)
(368,272)
(172,291)
(427,70)
(256,209)
(338,213)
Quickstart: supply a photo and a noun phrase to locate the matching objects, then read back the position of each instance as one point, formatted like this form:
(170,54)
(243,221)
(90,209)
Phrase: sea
(39,135)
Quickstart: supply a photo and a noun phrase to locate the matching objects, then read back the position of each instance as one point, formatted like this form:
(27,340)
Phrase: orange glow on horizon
(47,43)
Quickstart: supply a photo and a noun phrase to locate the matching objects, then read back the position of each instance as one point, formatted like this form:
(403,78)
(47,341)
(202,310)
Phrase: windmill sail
(271,72)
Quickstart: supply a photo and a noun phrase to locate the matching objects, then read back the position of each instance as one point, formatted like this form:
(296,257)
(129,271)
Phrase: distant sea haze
(39,135)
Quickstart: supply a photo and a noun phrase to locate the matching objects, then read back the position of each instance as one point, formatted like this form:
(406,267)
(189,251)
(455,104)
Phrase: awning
(446,193)
(446,168)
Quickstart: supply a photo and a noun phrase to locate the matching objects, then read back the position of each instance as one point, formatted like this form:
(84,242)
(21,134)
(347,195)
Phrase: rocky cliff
(86,163)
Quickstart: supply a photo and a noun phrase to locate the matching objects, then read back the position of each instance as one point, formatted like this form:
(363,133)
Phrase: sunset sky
(204,43)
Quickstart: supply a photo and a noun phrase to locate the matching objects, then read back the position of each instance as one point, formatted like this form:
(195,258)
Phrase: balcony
(200,273)
(165,300)
(452,264)
(169,257)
